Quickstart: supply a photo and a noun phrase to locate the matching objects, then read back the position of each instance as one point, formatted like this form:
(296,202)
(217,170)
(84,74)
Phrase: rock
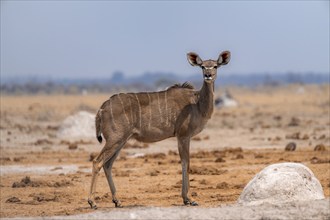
(305,137)
(43,142)
(196,138)
(226,100)
(206,137)
(239,156)
(258,156)
(203,182)
(291,146)
(154,173)
(26,182)
(73,146)
(233,149)
(322,137)
(171,152)
(319,147)
(294,122)
(194,194)
(316,160)
(44,197)
(281,183)
(220,160)
(277,117)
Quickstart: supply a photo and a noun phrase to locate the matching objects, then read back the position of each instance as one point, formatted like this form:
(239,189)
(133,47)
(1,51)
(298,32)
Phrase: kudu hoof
(117,203)
(92,204)
(191,203)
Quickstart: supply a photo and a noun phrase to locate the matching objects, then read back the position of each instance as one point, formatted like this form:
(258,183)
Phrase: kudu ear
(194,59)
(224,58)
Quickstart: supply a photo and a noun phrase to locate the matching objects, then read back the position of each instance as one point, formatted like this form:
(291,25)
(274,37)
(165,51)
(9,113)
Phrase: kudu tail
(98,125)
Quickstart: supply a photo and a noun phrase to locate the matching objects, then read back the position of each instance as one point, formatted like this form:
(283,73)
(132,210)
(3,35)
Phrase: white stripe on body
(113,119)
(140,113)
(159,108)
(130,104)
(149,123)
(122,104)
(166,108)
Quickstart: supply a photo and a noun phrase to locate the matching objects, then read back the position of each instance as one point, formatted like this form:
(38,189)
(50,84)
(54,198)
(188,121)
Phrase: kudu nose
(207,76)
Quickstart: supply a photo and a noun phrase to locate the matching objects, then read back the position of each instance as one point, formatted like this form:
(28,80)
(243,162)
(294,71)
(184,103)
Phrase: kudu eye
(215,67)
(203,67)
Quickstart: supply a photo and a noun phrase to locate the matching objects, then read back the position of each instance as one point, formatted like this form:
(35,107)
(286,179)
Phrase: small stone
(291,146)
(305,137)
(73,146)
(294,122)
(322,137)
(319,147)
(220,160)
(277,118)
(258,156)
(222,185)
(239,156)
(277,138)
(196,138)
(206,137)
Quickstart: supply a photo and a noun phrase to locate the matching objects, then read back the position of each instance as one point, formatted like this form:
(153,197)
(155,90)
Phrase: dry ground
(41,176)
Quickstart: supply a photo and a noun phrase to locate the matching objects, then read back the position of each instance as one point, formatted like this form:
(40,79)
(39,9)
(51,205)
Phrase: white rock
(280,183)
(80,125)
(226,100)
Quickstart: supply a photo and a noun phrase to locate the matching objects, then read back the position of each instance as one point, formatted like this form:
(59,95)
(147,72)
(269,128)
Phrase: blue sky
(93,39)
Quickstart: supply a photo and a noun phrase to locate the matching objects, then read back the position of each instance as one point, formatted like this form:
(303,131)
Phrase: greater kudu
(179,111)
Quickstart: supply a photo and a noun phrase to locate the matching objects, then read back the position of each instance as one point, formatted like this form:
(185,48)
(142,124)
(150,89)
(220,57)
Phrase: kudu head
(209,67)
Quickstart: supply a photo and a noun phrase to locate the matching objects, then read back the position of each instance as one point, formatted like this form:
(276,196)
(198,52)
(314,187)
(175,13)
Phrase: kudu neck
(206,102)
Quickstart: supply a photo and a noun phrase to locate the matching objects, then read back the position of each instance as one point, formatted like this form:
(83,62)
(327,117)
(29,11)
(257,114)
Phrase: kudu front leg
(183,144)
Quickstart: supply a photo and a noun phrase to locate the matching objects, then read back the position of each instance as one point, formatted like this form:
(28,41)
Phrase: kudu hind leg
(183,145)
(108,172)
(106,154)
(95,171)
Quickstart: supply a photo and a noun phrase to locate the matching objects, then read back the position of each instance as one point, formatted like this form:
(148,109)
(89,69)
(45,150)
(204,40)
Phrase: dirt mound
(80,125)
(44,197)
(155,156)
(206,170)
(27,182)
(316,160)
(216,153)
(13,199)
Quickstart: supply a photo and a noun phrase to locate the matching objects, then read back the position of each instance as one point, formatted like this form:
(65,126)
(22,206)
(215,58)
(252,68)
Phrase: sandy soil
(42,175)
